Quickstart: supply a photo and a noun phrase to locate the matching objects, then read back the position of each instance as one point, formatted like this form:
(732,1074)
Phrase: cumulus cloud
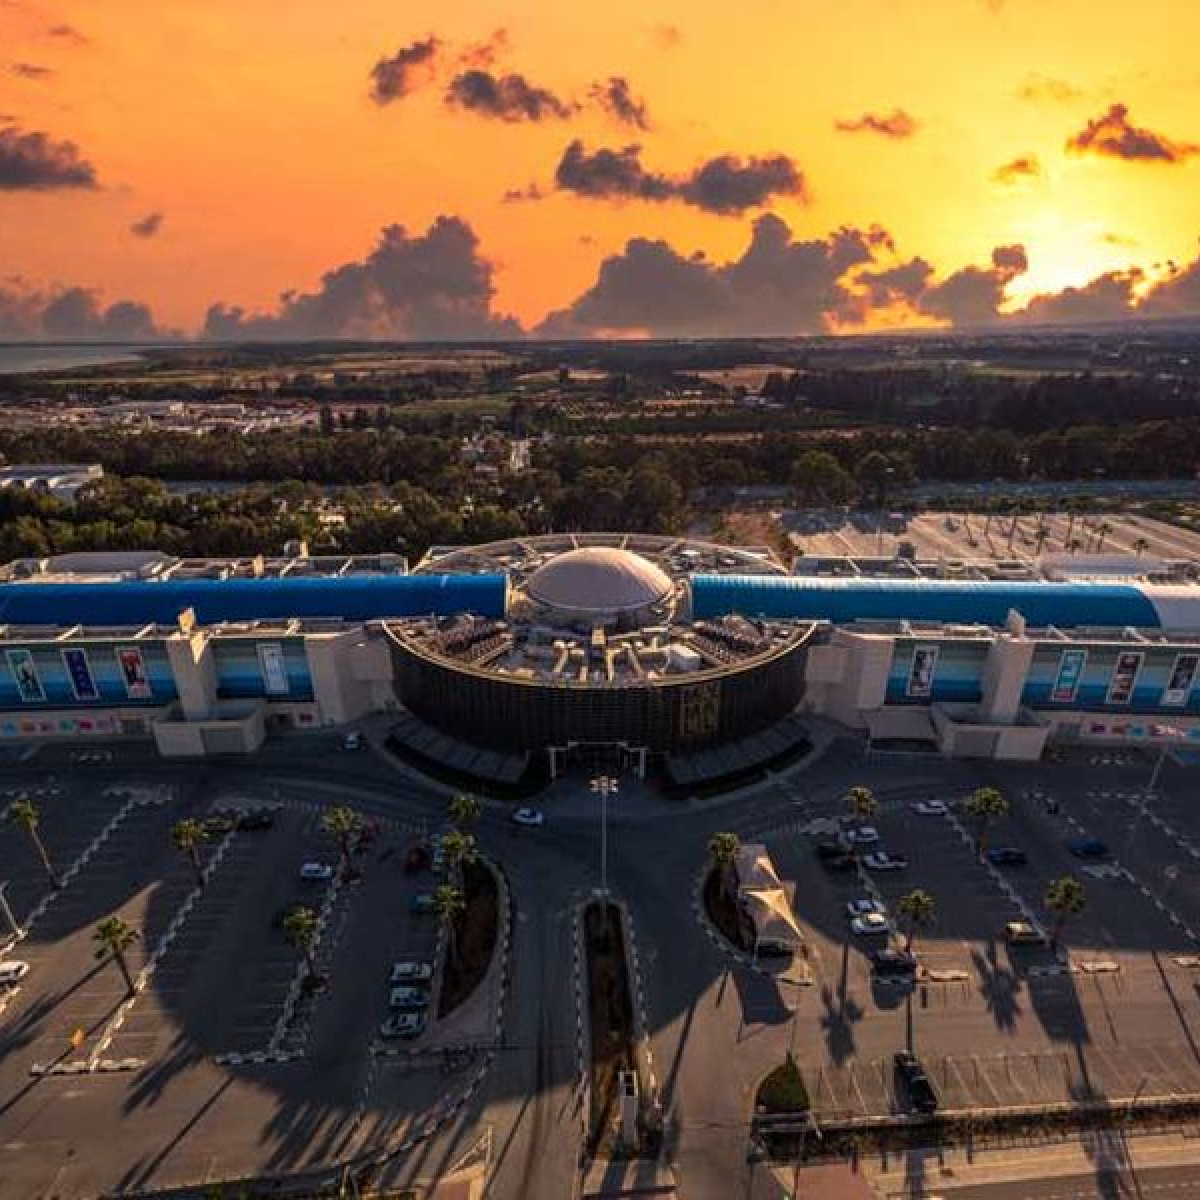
(72,312)
(896,124)
(1108,297)
(33,161)
(147,226)
(1177,294)
(68,33)
(426,286)
(615,97)
(529,192)
(778,286)
(1027,166)
(26,70)
(510,98)
(725,185)
(395,77)
(1113,135)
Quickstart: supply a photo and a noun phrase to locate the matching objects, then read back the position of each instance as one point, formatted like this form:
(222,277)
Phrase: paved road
(1104,1183)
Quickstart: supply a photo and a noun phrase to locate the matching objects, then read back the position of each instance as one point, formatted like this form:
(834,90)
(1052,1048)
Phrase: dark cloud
(616,98)
(896,124)
(430,286)
(509,97)
(32,71)
(72,312)
(530,192)
(68,33)
(1108,297)
(973,295)
(724,185)
(1177,294)
(36,162)
(1044,89)
(486,53)
(396,77)
(1113,135)
(147,226)
(778,286)
(1027,166)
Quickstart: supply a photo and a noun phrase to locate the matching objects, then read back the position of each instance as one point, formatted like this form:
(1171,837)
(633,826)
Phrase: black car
(255,821)
(1086,847)
(893,964)
(843,862)
(1007,856)
(916,1083)
(831,848)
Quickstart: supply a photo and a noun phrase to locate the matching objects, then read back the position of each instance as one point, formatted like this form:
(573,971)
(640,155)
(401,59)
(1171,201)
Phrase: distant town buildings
(60,480)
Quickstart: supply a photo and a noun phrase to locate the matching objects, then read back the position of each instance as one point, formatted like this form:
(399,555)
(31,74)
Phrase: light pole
(604,786)
(7,912)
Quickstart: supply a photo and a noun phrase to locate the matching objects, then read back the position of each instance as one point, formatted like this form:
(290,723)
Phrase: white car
(529,816)
(352,741)
(408,998)
(864,835)
(863,905)
(316,871)
(403,1025)
(881,860)
(931,808)
(12,972)
(871,923)
(411,972)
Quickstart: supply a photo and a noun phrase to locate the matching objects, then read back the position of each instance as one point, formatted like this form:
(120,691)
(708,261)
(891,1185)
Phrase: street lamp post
(604,786)
(7,912)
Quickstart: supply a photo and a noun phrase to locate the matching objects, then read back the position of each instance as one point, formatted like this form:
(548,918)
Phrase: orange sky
(249,126)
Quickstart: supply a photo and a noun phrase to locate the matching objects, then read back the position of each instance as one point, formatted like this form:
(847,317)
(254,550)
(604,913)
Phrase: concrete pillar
(195,672)
(1004,673)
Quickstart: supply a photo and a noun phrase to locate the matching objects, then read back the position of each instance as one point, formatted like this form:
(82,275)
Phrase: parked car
(870,924)
(861,905)
(352,741)
(12,972)
(411,972)
(912,1075)
(1088,847)
(831,848)
(931,808)
(315,872)
(421,904)
(528,816)
(863,835)
(403,1025)
(1023,933)
(881,860)
(1007,856)
(845,861)
(893,964)
(256,821)
(408,997)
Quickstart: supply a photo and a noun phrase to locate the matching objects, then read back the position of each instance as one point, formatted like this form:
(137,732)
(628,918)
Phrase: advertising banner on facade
(1070,672)
(1179,685)
(79,672)
(274,672)
(920,675)
(133,672)
(25,674)
(1124,676)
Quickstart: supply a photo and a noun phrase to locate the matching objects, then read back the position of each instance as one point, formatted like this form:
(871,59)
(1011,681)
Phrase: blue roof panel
(352,597)
(984,602)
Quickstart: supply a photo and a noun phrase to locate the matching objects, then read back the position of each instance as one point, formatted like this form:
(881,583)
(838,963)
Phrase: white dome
(599,579)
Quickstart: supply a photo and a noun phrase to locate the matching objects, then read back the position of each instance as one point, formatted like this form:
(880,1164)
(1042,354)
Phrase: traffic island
(614,1090)
(474,938)
(725,915)
(782,1112)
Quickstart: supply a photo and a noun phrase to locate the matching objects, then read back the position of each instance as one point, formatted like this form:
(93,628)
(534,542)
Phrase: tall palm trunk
(119,955)
(46,863)
(194,855)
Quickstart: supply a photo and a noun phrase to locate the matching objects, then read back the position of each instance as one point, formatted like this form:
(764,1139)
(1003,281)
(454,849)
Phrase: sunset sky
(565,165)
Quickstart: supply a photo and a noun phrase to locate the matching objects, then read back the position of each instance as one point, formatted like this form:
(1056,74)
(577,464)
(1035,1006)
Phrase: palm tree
(187,836)
(343,825)
(1103,530)
(1140,546)
(985,805)
(861,802)
(920,908)
(464,810)
(113,937)
(723,851)
(300,932)
(25,813)
(459,849)
(448,906)
(1065,897)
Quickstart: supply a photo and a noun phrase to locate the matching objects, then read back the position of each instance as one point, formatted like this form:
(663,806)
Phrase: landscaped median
(470,937)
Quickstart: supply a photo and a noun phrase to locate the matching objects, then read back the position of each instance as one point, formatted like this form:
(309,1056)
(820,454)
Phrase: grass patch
(783,1090)
(475,938)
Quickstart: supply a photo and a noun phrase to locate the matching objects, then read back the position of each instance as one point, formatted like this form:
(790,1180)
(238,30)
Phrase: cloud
(510,98)
(428,286)
(68,33)
(34,161)
(666,37)
(896,124)
(1177,294)
(147,226)
(1027,166)
(486,53)
(1113,135)
(26,70)
(779,286)
(1107,297)
(1044,89)
(725,185)
(616,98)
(529,192)
(396,77)
(71,312)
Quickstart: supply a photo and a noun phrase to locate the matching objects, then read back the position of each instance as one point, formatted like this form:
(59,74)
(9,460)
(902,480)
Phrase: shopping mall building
(508,661)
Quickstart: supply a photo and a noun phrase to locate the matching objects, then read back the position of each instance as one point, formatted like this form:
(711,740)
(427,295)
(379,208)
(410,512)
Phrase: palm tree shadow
(840,1013)
(1000,987)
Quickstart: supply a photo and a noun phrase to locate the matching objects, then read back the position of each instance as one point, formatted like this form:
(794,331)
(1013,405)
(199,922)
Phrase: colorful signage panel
(1124,676)
(1070,672)
(25,675)
(133,673)
(1179,685)
(920,675)
(79,672)
(274,672)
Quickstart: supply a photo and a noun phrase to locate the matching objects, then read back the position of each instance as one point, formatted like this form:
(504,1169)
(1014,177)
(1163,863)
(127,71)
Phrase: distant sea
(16,360)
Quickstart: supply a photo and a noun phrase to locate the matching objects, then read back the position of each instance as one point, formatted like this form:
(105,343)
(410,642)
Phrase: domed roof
(599,579)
